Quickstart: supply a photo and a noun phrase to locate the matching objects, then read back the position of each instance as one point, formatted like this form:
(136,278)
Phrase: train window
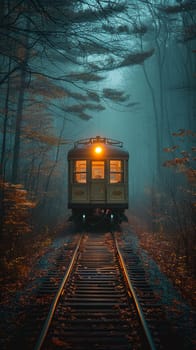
(116,171)
(97,169)
(80,171)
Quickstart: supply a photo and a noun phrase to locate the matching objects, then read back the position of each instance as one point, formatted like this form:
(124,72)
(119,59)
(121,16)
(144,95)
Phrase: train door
(97,181)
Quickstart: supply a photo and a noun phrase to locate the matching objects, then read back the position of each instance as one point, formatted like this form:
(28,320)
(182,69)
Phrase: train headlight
(98,149)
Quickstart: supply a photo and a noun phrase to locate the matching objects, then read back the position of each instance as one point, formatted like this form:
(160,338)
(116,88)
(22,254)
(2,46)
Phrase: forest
(116,68)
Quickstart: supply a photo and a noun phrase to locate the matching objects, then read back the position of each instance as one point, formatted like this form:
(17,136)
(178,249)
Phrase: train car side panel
(79,194)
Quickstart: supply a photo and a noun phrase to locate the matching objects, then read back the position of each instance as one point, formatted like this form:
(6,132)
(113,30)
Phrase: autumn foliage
(183,160)
(15,220)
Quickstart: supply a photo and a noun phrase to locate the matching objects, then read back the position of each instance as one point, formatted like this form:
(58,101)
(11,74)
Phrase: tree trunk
(16,155)
(5,122)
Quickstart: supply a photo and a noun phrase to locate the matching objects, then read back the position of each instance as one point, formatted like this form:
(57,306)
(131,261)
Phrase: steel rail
(48,320)
(138,306)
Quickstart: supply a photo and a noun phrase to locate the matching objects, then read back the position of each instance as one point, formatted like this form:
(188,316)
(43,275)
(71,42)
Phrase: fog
(119,69)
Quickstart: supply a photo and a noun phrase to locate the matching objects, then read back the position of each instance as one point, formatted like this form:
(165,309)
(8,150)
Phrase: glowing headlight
(98,150)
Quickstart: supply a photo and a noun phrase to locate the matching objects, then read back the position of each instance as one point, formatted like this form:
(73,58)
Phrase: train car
(98,181)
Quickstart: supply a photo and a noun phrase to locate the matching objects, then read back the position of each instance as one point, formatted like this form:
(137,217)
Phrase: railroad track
(95,306)
(82,298)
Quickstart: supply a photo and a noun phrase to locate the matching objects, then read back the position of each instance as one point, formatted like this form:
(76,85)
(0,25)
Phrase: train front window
(80,171)
(116,172)
(97,169)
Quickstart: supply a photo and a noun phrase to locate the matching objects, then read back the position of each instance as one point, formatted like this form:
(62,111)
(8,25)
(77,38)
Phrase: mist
(120,69)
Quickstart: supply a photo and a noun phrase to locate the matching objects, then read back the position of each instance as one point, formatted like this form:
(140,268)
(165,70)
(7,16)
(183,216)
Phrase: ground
(167,272)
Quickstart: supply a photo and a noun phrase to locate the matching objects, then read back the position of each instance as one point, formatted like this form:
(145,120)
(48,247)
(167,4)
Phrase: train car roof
(83,149)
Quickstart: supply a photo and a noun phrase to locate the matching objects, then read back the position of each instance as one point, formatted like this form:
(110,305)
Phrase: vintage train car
(98,181)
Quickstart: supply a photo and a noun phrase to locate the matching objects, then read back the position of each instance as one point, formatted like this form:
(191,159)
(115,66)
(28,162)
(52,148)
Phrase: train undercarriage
(96,216)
